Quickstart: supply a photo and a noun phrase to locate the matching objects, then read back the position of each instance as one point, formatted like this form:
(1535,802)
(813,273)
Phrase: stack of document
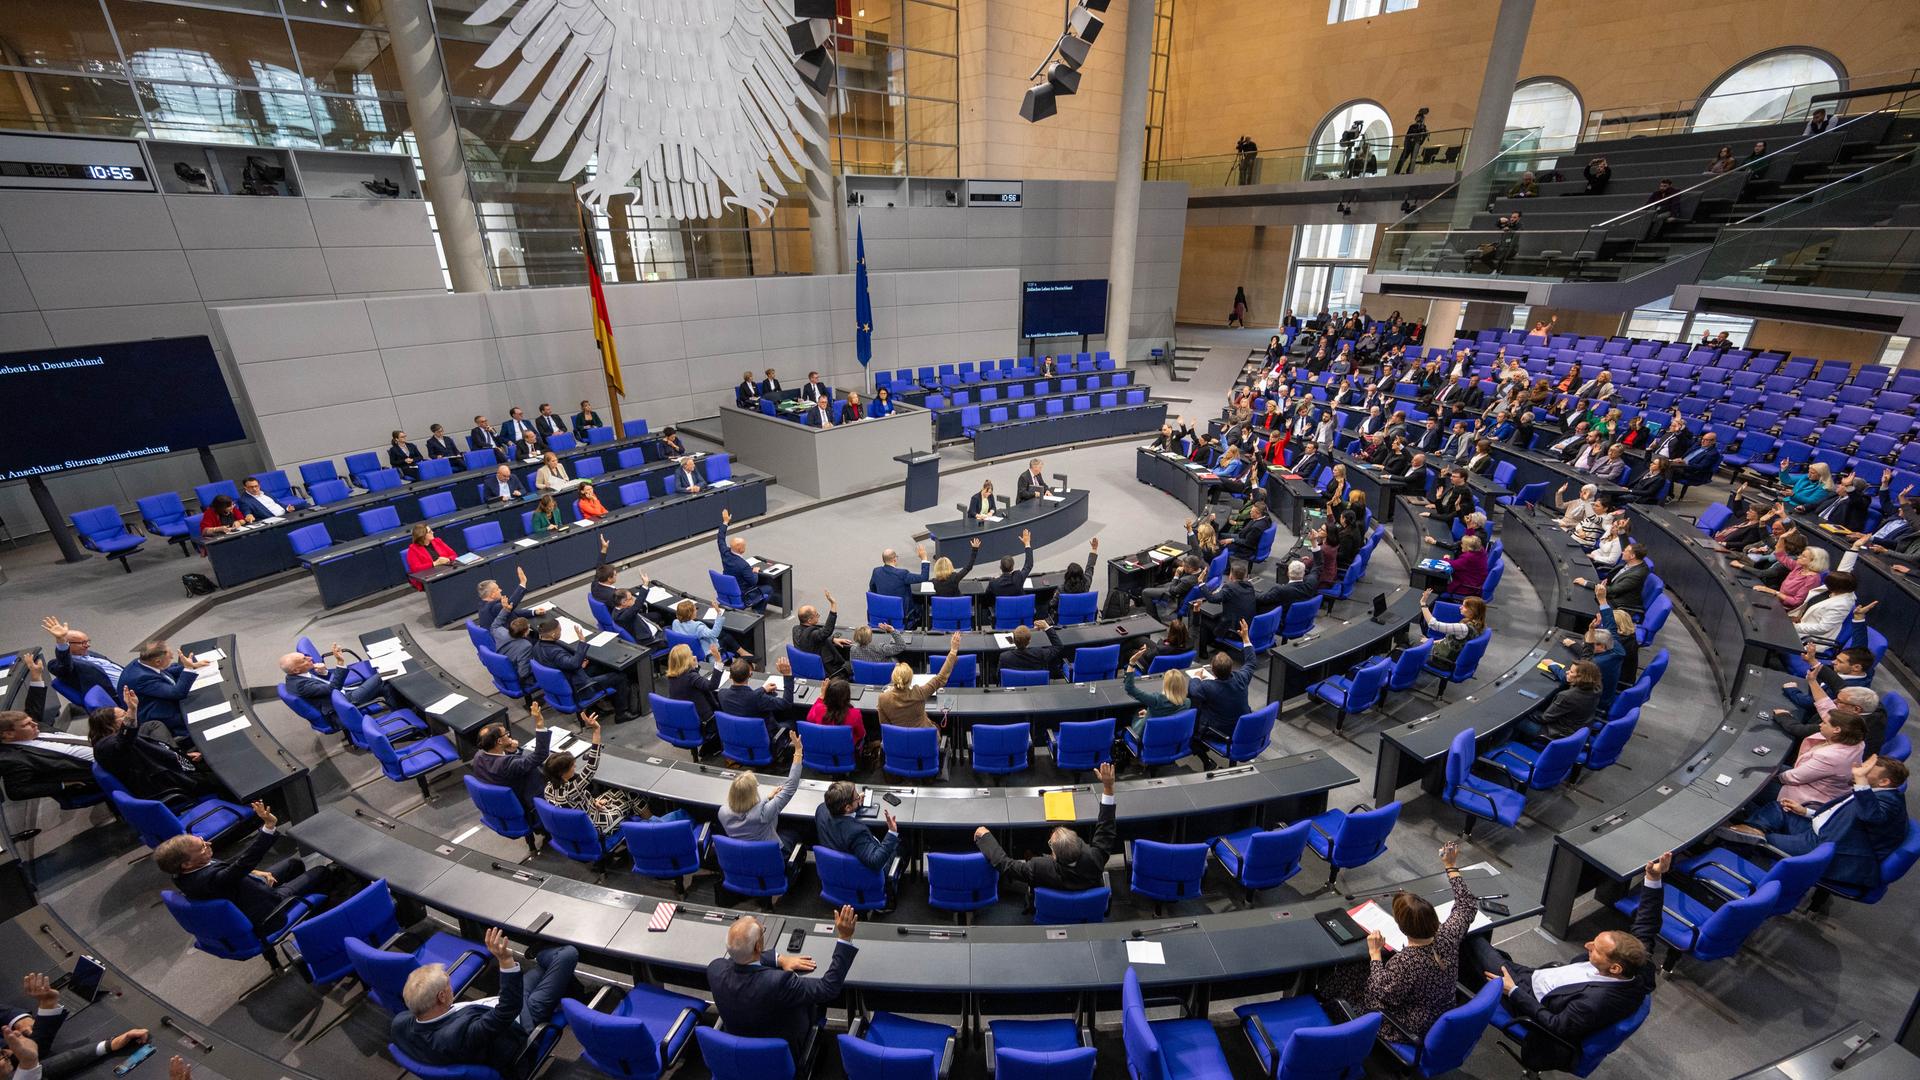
(445,705)
(657,595)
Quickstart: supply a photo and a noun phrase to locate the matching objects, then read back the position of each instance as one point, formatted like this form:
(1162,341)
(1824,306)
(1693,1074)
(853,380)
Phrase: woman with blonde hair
(1336,489)
(1171,699)
(946,579)
(551,475)
(1203,539)
(684,683)
(1813,488)
(746,816)
(903,704)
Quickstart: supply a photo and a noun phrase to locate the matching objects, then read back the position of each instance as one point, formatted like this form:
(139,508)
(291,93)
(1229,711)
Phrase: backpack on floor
(198,584)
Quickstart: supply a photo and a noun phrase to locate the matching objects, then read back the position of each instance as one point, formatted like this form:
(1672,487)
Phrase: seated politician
(1071,863)
(1864,825)
(145,762)
(38,764)
(257,504)
(491,1032)
(762,994)
(441,445)
(404,457)
(315,683)
(837,828)
(261,895)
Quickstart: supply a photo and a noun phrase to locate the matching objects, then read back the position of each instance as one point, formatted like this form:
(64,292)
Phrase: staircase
(1185,361)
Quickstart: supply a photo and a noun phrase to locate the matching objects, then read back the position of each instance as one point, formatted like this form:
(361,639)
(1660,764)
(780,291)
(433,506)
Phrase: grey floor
(1799,976)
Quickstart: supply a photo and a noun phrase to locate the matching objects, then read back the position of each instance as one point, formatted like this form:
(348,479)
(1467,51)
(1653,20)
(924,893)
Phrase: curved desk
(998,438)
(1176,476)
(423,684)
(232,741)
(1050,521)
(1877,580)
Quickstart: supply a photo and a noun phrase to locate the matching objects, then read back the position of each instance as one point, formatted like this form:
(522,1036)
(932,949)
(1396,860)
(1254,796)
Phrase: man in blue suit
(162,682)
(1702,461)
(260,506)
(890,579)
(75,663)
(837,828)
(435,1030)
(259,894)
(734,564)
(314,684)
(1221,700)
(571,662)
(1865,825)
(762,995)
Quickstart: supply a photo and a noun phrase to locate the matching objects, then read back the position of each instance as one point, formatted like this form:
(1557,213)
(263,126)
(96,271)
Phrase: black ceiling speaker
(809,34)
(1063,79)
(1085,24)
(1095,5)
(1039,103)
(1073,50)
(816,68)
(819,9)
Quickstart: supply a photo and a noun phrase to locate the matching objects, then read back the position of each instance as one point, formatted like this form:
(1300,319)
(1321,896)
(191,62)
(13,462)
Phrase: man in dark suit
(162,683)
(1310,465)
(746,395)
(259,894)
(761,994)
(484,436)
(1246,542)
(36,764)
(145,762)
(516,646)
(769,386)
(1850,667)
(1454,501)
(501,760)
(1700,463)
(606,578)
(314,684)
(837,829)
(1187,576)
(1011,582)
(516,427)
(1566,1003)
(741,698)
(403,456)
(1674,441)
(1071,864)
(734,564)
(816,637)
(547,424)
(571,662)
(1865,824)
(1239,602)
(891,579)
(1025,656)
(1850,504)
(503,486)
(814,389)
(41,1026)
(1296,589)
(1032,485)
(1222,700)
(258,505)
(440,444)
(493,599)
(75,663)
(527,449)
(436,1030)
(1628,582)
(630,614)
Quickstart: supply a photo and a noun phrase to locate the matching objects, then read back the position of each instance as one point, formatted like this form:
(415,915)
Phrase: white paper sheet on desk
(213,655)
(775,682)
(541,609)
(1054,498)
(1005,641)
(390,658)
(721,484)
(1158,556)
(996,520)
(238,723)
(774,568)
(585,523)
(925,587)
(601,638)
(657,595)
(207,676)
(1028,585)
(1145,952)
(209,712)
(570,630)
(445,705)
(922,680)
(525,542)
(468,559)
(712,614)
(384,646)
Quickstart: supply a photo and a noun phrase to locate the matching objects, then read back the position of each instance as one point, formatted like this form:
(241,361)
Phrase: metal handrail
(1450,190)
(1808,200)
(1596,121)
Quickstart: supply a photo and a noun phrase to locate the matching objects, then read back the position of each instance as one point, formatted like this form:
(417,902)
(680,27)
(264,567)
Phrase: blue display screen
(1064,308)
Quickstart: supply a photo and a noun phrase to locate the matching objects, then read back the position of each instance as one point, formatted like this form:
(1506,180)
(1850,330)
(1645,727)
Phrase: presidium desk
(826,462)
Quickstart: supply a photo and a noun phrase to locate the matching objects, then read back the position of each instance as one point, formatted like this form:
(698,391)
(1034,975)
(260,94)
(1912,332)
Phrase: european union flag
(862,301)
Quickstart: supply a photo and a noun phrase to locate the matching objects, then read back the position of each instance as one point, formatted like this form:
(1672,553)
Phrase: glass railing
(1793,103)
(1440,151)
(1859,236)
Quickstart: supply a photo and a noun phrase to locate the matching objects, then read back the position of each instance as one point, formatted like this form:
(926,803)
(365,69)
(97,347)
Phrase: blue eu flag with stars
(862,301)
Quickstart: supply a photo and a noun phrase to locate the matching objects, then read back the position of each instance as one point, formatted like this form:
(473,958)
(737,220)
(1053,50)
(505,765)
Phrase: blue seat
(219,929)
(727,592)
(1082,745)
(411,761)
(382,480)
(368,919)
(744,739)
(807,665)
(378,520)
(1732,876)
(873,672)
(910,752)
(1020,677)
(633,429)
(1252,734)
(1705,932)
(1172,1049)
(897,1048)
(501,810)
(754,867)
(1346,840)
(329,491)
(360,465)
(1167,873)
(630,458)
(434,469)
(678,723)
(506,677)
(1593,1049)
(882,608)
(1357,691)
(1077,608)
(165,515)
(1451,1038)
(572,833)
(560,442)
(1264,626)
(102,530)
(1543,769)
(1169,661)
(961,883)
(1473,796)
(1012,611)
(478,459)
(1163,741)
(204,494)
(1001,749)
(735,1057)
(317,720)
(642,1038)
(966,671)
(1262,858)
(1892,868)
(308,539)
(827,748)
(1609,743)
(1294,1039)
(599,436)
(952,613)
(667,850)
(1299,620)
(1060,907)
(603,619)
(1095,663)
(1465,663)
(846,881)
(559,692)
(157,823)
(317,472)
(1039,1050)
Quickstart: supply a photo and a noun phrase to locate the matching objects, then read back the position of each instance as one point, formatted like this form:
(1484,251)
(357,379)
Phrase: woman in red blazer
(424,553)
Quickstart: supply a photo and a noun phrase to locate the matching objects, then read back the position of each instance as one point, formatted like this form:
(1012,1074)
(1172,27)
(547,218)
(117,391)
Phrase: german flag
(602,325)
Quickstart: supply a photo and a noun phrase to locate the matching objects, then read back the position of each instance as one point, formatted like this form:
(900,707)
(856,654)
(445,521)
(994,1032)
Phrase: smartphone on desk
(133,1060)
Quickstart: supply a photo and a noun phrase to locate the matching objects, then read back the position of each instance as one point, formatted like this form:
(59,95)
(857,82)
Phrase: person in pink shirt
(1808,569)
(835,706)
(1824,770)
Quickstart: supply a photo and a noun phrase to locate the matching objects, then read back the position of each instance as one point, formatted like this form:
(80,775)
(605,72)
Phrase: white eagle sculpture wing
(689,107)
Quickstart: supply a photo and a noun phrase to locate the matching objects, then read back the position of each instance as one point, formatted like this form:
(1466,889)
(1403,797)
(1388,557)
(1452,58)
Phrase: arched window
(1550,106)
(1767,89)
(1370,151)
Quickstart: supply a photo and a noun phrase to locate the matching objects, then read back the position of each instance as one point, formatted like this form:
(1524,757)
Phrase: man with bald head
(75,663)
(891,579)
(314,683)
(734,564)
(766,996)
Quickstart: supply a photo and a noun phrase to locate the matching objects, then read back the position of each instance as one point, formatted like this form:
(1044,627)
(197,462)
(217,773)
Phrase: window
(1339,11)
(1329,264)
(1767,89)
(1550,107)
(1658,321)
(1896,347)
(1367,151)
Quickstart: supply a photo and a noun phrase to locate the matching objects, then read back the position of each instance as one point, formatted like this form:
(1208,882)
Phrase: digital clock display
(63,170)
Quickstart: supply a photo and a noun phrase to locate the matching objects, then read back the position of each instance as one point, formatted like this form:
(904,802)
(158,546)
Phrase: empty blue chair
(1299,619)
(806,665)
(1094,663)
(952,613)
(1732,876)
(1000,749)
(502,811)
(329,491)
(317,720)
(644,1035)
(360,466)
(1252,734)
(1059,907)
(559,692)
(882,608)
(599,436)
(1543,769)
(1608,743)
(1452,1037)
(506,678)
(572,833)
(633,429)
(1083,745)
(676,722)
(436,504)
(1167,873)
(744,739)
(206,493)
(631,458)
(308,539)
(1357,691)
(1262,858)
(1705,932)
(316,472)
(966,671)
(1163,741)
(157,823)
(411,761)
(380,519)
(382,480)
(165,515)
(846,881)
(1019,677)
(390,724)
(1473,796)
(735,1057)
(1294,1039)
(102,530)
(873,672)
(1346,840)
(754,867)
(1012,611)
(911,752)
(1168,661)
(1077,608)
(434,469)
(667,850)
(368,919)
(897,1048)
(219,929)
(961,883)
(478,459)
(1039,1050)
(1174,1049)
(826,748)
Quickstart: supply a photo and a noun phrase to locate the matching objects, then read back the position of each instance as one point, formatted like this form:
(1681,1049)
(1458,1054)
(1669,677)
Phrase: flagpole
(593,267)
(866,370)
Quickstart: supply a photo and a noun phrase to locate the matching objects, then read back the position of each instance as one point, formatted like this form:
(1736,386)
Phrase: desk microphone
(903,931)
(517,871)
(1608,821)
(1841,1061)
(376,819)
(1165,929)
(1704,758)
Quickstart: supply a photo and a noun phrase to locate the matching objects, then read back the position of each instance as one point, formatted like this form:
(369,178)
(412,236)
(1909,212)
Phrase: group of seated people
(750,393)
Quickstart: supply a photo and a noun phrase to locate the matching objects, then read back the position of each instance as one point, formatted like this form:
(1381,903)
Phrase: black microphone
(1841,1061)
(517,871)
(1615,819)
(903,931)
(1170,927)
(377,820)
